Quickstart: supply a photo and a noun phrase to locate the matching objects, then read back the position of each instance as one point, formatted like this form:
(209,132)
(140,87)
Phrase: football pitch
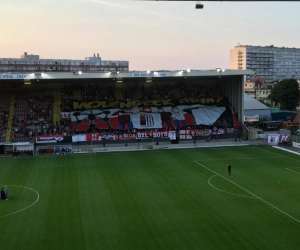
(155,199)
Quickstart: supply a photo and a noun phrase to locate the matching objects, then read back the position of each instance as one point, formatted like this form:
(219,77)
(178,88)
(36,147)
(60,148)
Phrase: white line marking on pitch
(249,192)
(289,169)
(226,159)
(277,153)
(228,192)
(38,197)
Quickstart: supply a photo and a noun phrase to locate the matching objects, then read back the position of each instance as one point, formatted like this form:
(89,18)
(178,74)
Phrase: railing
(245,132)
(295,138)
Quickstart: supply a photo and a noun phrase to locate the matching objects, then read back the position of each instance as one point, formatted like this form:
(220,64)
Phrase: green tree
(286,93)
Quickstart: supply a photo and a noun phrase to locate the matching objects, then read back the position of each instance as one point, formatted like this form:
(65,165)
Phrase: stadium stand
(4,114)
(50,111)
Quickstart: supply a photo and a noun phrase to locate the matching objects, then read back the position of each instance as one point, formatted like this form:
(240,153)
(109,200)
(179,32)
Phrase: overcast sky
(150,35)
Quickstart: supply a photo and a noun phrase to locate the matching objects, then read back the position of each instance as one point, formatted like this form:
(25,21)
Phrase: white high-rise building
(269,62)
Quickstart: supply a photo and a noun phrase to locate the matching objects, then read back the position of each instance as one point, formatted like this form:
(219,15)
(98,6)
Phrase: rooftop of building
(30,57)
(266,47)
(251,103)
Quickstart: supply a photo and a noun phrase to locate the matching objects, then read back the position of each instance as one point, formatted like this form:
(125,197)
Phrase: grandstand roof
(251,103)
(123,75)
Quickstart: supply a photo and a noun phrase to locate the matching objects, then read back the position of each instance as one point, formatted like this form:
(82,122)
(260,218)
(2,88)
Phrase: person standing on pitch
(6,192)
(3,196)
(229,169)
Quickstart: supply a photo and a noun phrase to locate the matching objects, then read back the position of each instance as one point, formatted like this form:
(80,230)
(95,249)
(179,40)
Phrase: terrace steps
(56,105)
(77,95)
(118,94)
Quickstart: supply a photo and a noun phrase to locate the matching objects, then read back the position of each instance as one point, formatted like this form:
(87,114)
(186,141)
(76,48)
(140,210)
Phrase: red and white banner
(185,134)
(124,136)
(273,139)
(49,139)
(284,138)
(161,114)
(102,137)
(86,137)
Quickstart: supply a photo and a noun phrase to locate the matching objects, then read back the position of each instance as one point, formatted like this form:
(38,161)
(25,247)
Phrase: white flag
(146,120)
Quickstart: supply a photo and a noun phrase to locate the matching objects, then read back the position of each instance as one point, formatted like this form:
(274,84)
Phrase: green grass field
(167,199)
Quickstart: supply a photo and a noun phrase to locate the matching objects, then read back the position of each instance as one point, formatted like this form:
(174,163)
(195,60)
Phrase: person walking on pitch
(229,169)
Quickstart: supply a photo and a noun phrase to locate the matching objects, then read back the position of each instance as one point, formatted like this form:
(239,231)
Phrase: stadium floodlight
(148,71)
(220,70)
(188,70)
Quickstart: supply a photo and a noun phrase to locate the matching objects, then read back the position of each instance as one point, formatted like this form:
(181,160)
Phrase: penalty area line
(248,192)
(289,169)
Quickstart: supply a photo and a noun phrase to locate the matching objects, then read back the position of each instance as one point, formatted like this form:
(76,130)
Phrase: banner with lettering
(16,76)
(162,114)
(79,106)
(284,138)
(103,137)
(192,133)
(273,139)
(171,134)
(147,134)
(49,139)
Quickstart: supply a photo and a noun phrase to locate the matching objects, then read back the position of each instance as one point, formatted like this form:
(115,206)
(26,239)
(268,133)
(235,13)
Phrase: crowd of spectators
(128,94)
(94,92)
(4,113)
(155,92)
(188,90)
(33,113)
